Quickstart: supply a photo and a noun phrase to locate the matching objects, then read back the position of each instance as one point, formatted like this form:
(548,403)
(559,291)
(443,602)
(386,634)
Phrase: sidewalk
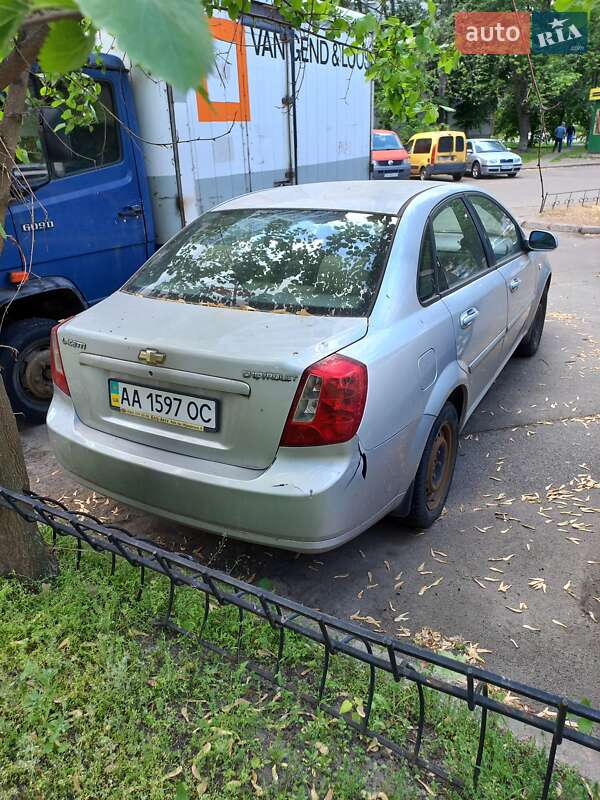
(547,162)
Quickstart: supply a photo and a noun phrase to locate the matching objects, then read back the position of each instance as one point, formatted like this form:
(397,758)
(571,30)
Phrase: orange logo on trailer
(225,30)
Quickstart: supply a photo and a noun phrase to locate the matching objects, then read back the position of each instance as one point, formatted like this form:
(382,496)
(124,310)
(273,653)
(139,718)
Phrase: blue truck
(93,205)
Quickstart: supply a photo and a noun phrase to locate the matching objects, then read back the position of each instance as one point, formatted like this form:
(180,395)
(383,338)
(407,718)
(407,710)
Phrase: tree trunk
(524,128)
(23,551)
(521,95)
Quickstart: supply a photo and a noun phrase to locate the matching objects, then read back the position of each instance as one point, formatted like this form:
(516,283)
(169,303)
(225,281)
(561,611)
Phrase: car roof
(437,133)
(376,197)
(383,130)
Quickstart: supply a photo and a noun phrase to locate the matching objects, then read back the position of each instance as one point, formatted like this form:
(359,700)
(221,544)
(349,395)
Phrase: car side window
(426,282)
(505,239)
(422,146)
(83,148)
(459,249)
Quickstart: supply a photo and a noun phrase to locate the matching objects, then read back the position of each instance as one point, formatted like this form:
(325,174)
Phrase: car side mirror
(542,240)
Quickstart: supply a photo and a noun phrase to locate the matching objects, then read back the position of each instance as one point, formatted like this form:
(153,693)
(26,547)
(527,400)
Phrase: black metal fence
(582,197)
(477,688)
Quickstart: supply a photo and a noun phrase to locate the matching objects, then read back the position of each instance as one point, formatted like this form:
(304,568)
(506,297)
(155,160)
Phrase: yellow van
(437,153)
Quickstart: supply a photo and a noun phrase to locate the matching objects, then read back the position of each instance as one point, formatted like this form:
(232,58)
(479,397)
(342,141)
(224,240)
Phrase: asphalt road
(523,194)
(525,505)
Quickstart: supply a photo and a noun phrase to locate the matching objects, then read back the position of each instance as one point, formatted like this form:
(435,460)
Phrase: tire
(25,366)
(434,477)
(512,174)
(531,341)
(476,170)
(458,177)
(424,174)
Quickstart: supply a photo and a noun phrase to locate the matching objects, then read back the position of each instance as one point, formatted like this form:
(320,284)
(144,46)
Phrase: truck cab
(79,224)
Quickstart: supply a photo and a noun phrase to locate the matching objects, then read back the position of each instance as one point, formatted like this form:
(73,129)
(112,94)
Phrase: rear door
(474,292)
(87,223)
(507,251)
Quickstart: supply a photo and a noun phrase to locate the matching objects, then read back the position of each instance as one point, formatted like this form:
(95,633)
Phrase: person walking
(559,135)
(570,134)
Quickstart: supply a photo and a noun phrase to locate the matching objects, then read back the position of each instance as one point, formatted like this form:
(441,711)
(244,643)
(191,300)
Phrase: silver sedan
(490,157)
(299,362)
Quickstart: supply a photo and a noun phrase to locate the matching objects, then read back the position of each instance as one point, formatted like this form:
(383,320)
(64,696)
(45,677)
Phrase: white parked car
(299,361)
(490,157)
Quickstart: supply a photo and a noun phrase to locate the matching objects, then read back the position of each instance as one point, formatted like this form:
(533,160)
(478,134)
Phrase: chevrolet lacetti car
(299,361)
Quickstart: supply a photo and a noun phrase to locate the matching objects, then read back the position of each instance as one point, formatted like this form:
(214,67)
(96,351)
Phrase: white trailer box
(283,107)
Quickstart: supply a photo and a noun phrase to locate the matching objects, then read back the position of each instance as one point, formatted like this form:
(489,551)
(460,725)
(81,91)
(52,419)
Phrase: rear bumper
(447,168)
(309,499)
(398,171)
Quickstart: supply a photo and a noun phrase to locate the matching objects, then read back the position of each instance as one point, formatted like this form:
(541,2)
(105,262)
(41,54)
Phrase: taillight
(433,154)
(329,403)
(59,378)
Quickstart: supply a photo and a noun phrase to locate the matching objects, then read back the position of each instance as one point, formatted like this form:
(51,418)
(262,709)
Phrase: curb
(564,227)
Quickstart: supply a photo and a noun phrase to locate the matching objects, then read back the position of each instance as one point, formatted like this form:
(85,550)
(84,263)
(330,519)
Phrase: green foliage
(76,94)
(12,13)
(67,46)
(98,703)
(171,39)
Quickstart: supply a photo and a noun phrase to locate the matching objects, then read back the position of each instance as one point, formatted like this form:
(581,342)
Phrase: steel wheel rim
(34,376)
(439,466)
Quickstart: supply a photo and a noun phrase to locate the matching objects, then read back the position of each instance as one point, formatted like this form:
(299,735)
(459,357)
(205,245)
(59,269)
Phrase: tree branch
(51,16)
(24,53)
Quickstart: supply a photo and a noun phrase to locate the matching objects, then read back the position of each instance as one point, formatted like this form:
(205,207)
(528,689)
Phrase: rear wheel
(25,366)
(434,476)
(530,343)
(476,169)
(457,177)
(424,174)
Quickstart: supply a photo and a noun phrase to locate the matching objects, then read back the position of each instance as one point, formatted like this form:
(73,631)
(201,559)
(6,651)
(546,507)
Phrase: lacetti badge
(557,34)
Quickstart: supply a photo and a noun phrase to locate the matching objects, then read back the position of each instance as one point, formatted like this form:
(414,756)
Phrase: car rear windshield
(446,144)
(299,261)
(386,141)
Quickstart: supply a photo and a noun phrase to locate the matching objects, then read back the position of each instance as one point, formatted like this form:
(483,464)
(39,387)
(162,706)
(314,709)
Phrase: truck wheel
(476,169)
(434,476)
(25,366)
(424,174)
(458,177)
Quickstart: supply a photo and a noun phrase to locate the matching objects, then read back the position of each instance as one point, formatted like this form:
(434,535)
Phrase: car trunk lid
(248,362)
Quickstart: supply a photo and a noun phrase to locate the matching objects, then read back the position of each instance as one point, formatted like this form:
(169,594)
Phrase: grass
(97,702)
(576,151)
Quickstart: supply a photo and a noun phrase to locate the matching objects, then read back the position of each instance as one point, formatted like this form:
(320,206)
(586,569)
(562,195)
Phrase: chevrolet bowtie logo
(151,357)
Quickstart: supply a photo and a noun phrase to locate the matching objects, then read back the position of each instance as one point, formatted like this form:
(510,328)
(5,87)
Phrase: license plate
(182,410)
(391,174)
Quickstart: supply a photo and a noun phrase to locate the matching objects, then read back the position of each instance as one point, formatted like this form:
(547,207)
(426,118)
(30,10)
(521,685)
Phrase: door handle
(127,212)
(514,284)
(468,317)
